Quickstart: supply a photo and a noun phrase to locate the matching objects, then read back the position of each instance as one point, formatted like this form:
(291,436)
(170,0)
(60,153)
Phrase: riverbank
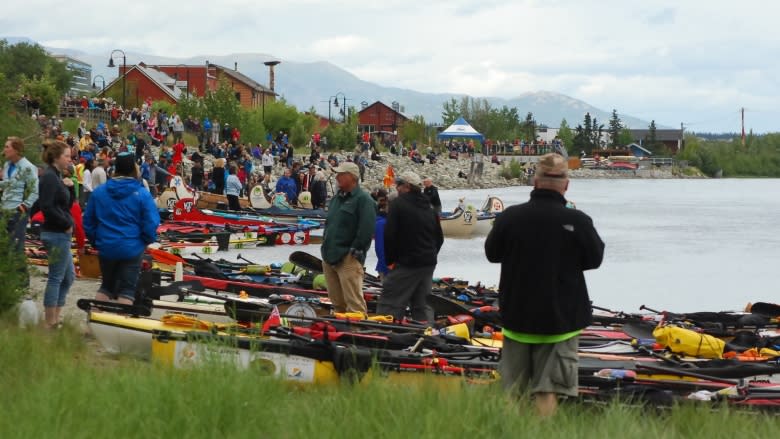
(445,172)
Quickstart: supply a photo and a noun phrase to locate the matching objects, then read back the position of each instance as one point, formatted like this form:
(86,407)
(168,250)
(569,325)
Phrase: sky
(696,62)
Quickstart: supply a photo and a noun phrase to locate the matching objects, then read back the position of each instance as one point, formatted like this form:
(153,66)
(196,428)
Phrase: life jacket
(80,173)
(685,341)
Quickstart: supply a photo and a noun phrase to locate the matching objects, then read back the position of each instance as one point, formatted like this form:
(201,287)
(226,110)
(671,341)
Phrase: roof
(384,105)
(460,128)
(163,81)
(660,135)
(238,76)
(635,145)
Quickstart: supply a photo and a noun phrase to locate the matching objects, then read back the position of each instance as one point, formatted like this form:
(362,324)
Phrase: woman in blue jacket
(121,220)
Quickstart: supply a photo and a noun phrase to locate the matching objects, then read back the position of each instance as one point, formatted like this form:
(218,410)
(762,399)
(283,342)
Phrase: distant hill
(307,84)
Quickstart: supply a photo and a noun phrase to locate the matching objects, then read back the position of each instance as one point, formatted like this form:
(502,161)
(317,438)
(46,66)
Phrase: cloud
(664,16)
(340,45)
(634,56)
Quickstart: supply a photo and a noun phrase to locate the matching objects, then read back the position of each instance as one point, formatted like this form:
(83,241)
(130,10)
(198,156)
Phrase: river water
(678,245)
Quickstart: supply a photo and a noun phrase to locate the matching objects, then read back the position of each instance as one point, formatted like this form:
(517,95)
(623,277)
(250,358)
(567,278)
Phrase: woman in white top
(86,185)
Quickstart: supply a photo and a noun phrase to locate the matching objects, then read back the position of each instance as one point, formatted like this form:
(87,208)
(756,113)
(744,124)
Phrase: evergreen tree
(615,125)
(651,140)
(596,130)
(528,128)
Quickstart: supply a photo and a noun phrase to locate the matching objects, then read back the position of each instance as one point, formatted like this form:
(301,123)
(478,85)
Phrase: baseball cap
(409,177)
(348,167)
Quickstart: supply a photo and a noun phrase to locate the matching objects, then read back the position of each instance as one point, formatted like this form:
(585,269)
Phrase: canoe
(207,200)
(471,222)
(459,224)
(316,363)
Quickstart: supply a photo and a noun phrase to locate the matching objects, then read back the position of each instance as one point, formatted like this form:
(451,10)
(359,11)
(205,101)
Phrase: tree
(44,91)
(626,137)
(528,128)
(23,60)
(223,105)
(450,112)
(596,131)
(651,140)
(587,136)
(566,135)
(615,125)
(413,129)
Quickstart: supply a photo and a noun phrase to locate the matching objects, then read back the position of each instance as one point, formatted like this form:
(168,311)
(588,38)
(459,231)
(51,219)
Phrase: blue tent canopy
(460,128)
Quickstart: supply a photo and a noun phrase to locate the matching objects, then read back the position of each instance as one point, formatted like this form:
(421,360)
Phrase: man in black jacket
(543,248)
(413,238)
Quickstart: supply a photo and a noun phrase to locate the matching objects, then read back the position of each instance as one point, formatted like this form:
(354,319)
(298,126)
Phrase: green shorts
(539,368)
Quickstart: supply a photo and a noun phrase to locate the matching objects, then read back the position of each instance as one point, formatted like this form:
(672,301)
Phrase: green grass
(71,125)
(53,385)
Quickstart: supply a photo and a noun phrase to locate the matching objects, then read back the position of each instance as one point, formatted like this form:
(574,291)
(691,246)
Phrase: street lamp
(124,74)
(344,109)
(94,85)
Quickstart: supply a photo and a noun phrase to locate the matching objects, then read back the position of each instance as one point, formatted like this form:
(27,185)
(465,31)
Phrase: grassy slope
(54,386)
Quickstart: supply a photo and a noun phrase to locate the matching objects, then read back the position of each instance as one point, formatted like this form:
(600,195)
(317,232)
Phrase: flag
(274,320)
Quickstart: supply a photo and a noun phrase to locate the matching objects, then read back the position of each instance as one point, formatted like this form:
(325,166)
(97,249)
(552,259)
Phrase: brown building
(672,139)
(381,119)
(249,92)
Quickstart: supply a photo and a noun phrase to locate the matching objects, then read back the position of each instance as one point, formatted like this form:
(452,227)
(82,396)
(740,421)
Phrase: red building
(171,82)
(141,82)
(380,119)
(195,79)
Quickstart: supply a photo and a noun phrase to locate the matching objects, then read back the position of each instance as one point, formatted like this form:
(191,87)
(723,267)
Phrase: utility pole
(742,111)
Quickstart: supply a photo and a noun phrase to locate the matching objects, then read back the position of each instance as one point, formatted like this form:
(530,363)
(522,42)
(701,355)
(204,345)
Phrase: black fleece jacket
(413,234)
(543,248)
(54,200)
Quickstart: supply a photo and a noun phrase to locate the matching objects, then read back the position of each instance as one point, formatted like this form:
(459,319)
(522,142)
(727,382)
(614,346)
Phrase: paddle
(114,307)
(246,260)
(765,309)
(175,289)
(165,257)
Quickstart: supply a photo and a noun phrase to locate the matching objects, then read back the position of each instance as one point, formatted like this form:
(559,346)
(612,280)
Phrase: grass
(54,385)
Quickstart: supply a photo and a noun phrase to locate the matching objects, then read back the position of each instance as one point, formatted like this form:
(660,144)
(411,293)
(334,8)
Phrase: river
(678,245)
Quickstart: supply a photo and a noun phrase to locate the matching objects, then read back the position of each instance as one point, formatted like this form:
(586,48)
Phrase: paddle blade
(306,260)
(165,257)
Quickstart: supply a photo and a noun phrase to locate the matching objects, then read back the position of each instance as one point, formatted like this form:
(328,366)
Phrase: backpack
(685,341)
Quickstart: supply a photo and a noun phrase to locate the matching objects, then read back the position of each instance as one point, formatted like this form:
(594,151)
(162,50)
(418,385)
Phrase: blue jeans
(16,227)
(61,270)
(120,277)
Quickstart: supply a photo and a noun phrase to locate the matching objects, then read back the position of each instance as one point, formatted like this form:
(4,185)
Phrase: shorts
(539,368)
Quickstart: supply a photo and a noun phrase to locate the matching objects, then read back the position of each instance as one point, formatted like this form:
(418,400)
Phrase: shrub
(12,266)
(513,169)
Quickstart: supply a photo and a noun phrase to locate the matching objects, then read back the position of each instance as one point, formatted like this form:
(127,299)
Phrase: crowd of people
(112,179)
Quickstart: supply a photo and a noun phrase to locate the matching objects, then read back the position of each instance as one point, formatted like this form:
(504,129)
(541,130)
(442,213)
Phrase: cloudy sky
(694,61)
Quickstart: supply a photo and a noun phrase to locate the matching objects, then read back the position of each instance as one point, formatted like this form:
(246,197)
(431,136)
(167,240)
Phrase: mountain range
(311,84)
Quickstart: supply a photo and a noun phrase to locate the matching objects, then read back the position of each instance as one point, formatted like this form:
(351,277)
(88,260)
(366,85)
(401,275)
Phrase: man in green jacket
(348,230)
(19,187)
